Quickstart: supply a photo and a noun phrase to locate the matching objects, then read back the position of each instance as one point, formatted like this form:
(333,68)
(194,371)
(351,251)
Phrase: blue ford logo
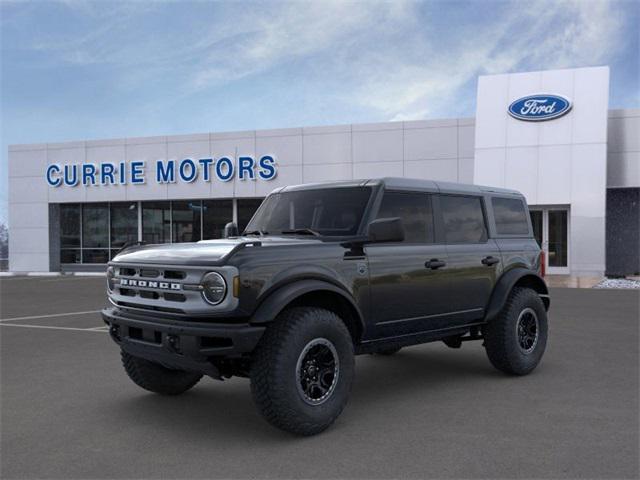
(536,108)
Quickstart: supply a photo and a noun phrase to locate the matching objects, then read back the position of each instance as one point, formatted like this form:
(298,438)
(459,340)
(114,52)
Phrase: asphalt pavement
(69,411)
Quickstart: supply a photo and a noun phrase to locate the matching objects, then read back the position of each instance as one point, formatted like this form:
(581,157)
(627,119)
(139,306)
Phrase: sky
(73,70)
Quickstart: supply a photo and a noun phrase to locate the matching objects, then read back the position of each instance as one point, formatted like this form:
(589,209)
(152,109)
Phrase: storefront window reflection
(186,221)
(217,213)
(95,232)
(124,224)
(156,222)
(246,208)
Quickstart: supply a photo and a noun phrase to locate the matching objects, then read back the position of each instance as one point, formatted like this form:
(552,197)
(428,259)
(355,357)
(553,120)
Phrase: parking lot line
(34,317)
(51,327)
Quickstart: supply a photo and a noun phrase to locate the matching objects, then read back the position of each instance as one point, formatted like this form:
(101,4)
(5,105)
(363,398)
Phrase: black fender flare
(505,284)
(282,296)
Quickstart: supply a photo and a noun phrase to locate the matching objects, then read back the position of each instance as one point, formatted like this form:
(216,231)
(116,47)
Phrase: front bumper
(184,345)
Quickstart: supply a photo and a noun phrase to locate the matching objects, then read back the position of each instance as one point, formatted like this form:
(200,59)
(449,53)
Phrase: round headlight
(214,288)
(111,272)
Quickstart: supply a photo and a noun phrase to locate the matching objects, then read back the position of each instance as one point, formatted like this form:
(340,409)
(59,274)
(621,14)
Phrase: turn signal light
(236,287)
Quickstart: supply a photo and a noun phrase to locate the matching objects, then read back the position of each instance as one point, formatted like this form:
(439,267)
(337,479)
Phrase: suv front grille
(153,276)
(170,289)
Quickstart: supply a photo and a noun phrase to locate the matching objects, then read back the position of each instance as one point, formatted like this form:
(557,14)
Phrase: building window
(156,222)
(185,221)
(216,214)
(124,225)
(95,233)
(70,233)
(246,208)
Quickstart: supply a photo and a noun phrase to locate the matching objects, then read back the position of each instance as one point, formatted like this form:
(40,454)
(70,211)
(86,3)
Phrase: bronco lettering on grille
(130,282)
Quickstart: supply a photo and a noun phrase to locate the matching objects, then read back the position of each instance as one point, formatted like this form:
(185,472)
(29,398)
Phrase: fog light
(214,288)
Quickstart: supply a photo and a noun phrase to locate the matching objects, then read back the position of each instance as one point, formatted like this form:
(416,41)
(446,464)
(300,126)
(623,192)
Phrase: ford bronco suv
(324,272)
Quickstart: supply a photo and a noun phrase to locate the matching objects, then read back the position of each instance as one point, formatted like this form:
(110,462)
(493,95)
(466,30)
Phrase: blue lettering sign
(223,164)
(188,174)
(51,180)
(206,168)
(245,168)
(137,172)
(267,168)
(106,173)
(165,174)
(186,170)
(71,175)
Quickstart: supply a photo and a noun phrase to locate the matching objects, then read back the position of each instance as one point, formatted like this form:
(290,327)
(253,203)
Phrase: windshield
(327,212)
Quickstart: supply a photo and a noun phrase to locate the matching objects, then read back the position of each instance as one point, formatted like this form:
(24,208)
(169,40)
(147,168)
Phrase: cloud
(535,35)
(401,60)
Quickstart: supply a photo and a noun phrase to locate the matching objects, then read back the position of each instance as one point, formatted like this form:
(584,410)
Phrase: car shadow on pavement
(214,410)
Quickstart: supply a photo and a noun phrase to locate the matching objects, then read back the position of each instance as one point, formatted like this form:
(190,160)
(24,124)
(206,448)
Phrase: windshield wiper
(302,231)
(255,232)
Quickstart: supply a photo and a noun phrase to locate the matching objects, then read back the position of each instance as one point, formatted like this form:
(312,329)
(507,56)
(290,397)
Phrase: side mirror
(230,230)
(386,230)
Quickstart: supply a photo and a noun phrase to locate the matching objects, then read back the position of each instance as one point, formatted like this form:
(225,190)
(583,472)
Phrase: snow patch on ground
(618,283)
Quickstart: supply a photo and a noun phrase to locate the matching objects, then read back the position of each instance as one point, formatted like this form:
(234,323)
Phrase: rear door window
(510,215)
(463,219)
(414,209)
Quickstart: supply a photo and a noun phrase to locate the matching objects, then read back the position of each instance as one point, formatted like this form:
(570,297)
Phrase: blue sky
(76,70)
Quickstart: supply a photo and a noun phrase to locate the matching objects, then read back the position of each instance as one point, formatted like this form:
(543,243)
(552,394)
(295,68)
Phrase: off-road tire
(156,378)
(501,337)
(275,376)
(388,351)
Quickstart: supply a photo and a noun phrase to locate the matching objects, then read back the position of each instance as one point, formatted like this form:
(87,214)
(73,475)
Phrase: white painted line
(35,317)
(89,274)
(43,274)
(104,327)
(50,328)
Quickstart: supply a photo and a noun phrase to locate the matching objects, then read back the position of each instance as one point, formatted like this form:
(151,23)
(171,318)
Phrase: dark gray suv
(325,272)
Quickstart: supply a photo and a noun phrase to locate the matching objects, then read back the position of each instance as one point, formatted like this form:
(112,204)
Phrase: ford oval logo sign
(536,108)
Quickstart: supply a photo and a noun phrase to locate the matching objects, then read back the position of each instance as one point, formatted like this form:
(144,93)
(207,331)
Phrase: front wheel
(302,370)
(516,339)
(156,378)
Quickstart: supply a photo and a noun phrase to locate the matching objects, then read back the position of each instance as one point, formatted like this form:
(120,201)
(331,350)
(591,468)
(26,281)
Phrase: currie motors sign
(187,170)
(540,107)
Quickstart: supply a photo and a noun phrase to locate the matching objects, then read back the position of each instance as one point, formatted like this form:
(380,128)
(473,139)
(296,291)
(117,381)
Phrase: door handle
(488,261)
(434,264)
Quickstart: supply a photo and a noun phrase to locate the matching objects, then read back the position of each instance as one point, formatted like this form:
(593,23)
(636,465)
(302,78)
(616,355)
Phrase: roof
(404,184)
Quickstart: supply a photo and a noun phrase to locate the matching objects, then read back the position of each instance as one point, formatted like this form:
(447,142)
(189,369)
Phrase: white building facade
(73,205)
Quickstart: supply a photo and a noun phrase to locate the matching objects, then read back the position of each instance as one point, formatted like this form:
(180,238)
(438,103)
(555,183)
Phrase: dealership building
(549,134)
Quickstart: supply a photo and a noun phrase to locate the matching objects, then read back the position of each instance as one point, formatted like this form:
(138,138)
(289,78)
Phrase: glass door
(551,231)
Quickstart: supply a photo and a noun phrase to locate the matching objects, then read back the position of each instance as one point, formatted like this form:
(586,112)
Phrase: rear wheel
(156,378)
(516,339)
(302,370)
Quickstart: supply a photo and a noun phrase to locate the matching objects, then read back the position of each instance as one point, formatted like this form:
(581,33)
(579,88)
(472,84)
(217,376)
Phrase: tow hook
(173,342)
(114,331)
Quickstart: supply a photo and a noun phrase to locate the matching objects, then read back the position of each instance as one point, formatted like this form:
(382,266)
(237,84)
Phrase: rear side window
(463,219)
(510,215)
(414,209)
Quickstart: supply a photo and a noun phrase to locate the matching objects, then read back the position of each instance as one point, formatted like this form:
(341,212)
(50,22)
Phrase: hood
(205,252)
